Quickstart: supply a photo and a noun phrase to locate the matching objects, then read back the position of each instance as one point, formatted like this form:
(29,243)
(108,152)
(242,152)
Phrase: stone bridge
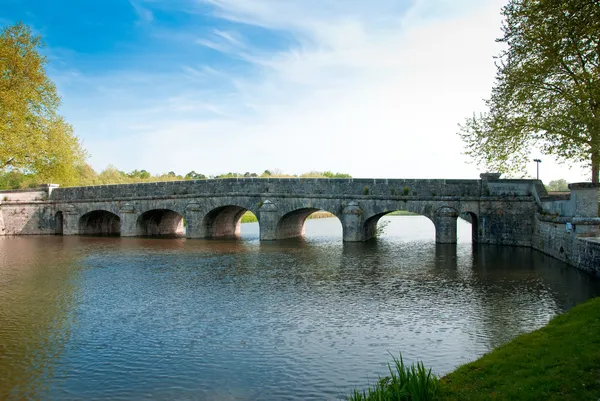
(501,211)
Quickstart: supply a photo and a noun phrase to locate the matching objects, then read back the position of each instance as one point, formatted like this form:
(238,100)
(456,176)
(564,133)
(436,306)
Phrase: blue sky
(373,88)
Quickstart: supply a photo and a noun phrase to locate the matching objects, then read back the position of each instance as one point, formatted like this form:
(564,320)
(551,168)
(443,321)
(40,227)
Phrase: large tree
(34,138)
(547,88)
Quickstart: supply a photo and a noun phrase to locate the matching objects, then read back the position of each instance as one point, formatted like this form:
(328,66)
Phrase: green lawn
(560,361)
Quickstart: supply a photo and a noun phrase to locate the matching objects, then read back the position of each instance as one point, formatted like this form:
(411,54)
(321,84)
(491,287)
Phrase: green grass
(402,213)
(410,383)
(560,361)
(249,217)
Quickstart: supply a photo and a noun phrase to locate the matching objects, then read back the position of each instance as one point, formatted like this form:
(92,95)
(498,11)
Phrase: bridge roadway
(502,211)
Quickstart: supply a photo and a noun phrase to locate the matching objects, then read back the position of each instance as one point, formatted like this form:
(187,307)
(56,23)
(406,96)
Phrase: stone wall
(574,241)
(290,186)
(26,218)
(26,211)
(588,255)
(26,195)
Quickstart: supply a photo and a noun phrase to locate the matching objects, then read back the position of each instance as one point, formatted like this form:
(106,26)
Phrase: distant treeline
(86,175)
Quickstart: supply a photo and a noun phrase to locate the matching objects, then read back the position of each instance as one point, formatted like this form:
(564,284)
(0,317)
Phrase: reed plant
(405,383)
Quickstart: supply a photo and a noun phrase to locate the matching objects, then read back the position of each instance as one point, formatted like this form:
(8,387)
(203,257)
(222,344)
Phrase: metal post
(537,163)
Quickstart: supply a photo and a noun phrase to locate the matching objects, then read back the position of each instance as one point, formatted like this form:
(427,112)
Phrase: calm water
(111,318)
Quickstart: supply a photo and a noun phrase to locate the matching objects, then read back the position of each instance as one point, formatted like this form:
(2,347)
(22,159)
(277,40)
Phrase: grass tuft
(410,383)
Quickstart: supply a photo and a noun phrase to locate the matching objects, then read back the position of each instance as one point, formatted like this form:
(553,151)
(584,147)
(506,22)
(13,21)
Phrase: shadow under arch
(58,223)
(100,223)
(223,222)
(293,224)
(160,223)
(474,220)
(372,229)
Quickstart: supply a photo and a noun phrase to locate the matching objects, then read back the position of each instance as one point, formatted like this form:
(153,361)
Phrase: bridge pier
(268,216)
(129,218)
(193,220)
(445,226)
(70,221)
(352,224)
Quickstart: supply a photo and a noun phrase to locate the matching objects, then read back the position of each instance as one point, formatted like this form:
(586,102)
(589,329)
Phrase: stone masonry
(502,211)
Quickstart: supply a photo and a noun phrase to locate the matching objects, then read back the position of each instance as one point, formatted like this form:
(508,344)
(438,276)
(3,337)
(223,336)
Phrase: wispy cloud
(144,14)
(371,88)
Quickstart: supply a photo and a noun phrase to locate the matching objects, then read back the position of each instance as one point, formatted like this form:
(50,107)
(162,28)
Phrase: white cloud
(367,88)
(143,13)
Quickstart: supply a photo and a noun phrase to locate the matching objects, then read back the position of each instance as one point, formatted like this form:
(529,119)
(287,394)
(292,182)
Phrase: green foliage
(557,362)
(140,174)
(192,175)
(410,383)
(249,217)
(84,174)
(406,191)
(547,89)
(34,139)
(329,174)
(16,179)
(229,175)
(558,185)
(381,227)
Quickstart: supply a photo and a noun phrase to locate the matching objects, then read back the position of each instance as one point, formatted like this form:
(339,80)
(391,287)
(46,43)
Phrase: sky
(371,88)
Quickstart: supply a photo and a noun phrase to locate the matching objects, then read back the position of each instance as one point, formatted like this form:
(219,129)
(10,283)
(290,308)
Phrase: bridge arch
(472,218)
(160,222)
(223,222)
(293,224)
(370,226)
(99,222)
(58,223)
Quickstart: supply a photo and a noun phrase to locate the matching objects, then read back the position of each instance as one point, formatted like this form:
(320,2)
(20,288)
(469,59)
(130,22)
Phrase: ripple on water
(111,318)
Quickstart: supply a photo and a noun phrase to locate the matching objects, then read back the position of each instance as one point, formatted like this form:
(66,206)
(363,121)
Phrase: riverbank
(560,361)
(249,217)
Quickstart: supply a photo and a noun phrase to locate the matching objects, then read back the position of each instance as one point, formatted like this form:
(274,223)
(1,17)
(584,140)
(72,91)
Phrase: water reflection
(142,318)
(37,298)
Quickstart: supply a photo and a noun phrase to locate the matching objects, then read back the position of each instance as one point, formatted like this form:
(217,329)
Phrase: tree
(139,174)
(34,139)
(111,175)
(192,175)
(329,174)
(547,88)
(558,185)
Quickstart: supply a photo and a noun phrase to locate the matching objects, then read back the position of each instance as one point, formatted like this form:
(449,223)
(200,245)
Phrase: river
(302,319)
